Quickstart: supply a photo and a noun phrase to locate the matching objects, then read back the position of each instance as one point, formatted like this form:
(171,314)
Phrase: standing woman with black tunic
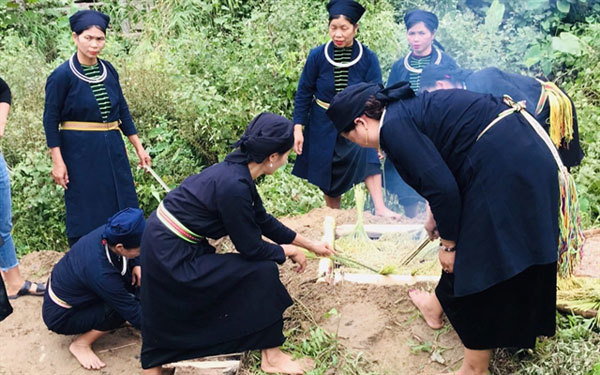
(425,50)
(495,207)
(84,116)
(197,303)
(324,158)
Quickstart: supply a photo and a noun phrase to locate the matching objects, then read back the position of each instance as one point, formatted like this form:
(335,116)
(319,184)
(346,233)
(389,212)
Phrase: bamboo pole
(325,271)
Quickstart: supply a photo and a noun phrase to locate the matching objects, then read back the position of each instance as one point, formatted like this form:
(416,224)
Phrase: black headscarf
(268,133)
(125,227)
(443,72)
(418,15)
(348,8)
(350,103)
(84,19)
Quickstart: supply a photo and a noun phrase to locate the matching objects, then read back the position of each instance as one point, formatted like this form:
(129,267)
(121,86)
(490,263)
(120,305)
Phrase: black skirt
(511,313)
(196,303)
(351,164)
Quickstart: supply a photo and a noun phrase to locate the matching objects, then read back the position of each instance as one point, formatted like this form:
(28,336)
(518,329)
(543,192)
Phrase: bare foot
(386,212)
(276,361)
(429,306)
(85,355)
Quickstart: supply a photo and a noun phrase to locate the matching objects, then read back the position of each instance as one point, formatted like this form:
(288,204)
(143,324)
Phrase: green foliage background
(196,72)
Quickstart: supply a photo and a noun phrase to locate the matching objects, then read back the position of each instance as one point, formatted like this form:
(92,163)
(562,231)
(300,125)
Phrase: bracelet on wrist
(447,249)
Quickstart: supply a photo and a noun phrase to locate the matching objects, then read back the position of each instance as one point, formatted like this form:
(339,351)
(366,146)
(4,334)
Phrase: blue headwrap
(415,16)
(266,134)
(84,19)
(125,227)
(348,8)
(351,102)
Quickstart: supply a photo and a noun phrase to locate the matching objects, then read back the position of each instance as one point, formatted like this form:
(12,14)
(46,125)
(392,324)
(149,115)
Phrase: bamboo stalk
(416,251)
(342,259)
(326,264)
(157,178)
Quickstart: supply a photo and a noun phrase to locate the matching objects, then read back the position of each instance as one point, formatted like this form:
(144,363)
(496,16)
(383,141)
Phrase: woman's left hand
(136,276)
(447,257)
(296,255)
(145,159)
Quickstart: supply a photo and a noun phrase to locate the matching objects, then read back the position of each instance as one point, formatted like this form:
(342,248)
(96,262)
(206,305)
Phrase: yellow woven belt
(55,298)
(322,104)
(89,126)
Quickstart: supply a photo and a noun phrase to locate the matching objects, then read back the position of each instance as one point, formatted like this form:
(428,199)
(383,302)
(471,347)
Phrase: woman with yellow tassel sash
(489,173)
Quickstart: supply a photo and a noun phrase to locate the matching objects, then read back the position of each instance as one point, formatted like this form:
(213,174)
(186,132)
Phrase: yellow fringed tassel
(561,113)
(569,222)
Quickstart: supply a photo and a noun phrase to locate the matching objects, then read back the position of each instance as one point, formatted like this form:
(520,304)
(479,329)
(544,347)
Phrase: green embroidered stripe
(340,75)
(99,90)
(415,78)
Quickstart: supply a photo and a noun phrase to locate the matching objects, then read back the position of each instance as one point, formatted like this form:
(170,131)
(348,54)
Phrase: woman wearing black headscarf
(421,27)
(324,158)
(85,118)
(490,177)
(425,50)
(197,303)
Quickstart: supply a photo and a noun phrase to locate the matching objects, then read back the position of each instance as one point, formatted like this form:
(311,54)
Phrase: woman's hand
(136,276)
(298,139)
(296,256)
(60,175)
(431,226)
(321,248)
(145,159)
(140,151)
(447,257)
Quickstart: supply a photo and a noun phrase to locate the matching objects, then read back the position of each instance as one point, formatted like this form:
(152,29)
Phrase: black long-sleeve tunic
(496,197)
(194,299)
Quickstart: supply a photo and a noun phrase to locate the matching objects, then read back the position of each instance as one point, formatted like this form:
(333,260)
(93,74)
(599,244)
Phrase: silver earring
(270,165)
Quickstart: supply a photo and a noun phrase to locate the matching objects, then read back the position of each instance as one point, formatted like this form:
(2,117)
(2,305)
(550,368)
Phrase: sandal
(40,289)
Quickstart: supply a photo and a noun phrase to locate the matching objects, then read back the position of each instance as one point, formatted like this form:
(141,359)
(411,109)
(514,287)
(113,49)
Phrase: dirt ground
(378,321)
(28,347)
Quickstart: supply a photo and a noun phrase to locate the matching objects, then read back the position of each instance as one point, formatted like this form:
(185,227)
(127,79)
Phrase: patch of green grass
(574,350)
(330,356)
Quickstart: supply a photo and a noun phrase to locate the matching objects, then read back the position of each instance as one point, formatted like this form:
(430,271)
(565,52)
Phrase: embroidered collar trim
(419,71)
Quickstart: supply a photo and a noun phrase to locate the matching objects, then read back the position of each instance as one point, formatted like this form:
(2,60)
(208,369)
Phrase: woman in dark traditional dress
(425,50)
(495,207)
(197,303)
(536,94)
(84,116)
(91,289)
(325,159)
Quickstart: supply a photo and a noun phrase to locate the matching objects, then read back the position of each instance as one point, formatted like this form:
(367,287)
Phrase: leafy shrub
(471,41)
(286,194)
(37,205)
